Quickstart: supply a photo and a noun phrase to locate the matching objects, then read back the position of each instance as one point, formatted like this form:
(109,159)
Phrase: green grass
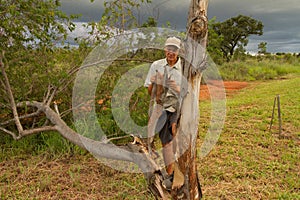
(252,70)
(249,161)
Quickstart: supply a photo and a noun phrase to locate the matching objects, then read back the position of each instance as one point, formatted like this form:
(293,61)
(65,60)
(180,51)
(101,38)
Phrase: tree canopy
(262,48)
(32,23)
(235,32)
(214,42)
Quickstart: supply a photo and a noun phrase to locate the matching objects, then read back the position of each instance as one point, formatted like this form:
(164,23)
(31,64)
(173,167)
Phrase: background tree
(235,32)
(151,22)
(29,33)
(214,42)
(262,48)
(32,23)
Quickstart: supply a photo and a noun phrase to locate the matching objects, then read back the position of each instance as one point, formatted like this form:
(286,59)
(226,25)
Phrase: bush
(264,69)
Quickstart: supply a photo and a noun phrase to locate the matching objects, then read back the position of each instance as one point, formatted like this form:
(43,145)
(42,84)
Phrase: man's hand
(173,85)
(158,78)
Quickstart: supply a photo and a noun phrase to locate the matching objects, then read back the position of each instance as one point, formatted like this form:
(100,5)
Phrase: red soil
(231,87)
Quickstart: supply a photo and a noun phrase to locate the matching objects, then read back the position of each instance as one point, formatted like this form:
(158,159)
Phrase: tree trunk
(193,65)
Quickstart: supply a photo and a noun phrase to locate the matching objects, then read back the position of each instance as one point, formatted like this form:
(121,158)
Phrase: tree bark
(193,65)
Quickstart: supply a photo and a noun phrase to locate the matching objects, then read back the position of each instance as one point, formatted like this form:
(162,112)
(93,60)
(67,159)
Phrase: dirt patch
(217,88)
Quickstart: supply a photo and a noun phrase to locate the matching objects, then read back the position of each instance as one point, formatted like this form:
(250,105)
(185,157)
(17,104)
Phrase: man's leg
(168,156)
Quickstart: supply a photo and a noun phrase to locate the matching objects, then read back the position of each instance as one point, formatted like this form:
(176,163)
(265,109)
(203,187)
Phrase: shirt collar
(177,64)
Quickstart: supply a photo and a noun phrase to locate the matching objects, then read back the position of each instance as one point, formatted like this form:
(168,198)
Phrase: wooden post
(276,101)
(271,123)
(279,113)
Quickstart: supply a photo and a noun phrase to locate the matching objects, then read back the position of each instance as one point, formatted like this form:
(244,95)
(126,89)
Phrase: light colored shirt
(159,66)
(171,97)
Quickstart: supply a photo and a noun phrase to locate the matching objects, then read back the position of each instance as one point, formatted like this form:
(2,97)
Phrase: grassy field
(248,162)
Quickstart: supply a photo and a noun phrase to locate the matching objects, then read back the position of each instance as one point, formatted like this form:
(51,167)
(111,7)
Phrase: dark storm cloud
(280,18)
(88,11)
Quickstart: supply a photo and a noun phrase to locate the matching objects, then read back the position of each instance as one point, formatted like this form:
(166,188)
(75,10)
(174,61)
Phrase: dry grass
(76,177)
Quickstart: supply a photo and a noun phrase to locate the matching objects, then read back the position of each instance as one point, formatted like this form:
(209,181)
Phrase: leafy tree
(151,22)
(239,53)
(25,23)
(29,30)
(214,42)
(262,48)
(235,32)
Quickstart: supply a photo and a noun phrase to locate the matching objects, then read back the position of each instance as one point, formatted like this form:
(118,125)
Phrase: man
(164,79)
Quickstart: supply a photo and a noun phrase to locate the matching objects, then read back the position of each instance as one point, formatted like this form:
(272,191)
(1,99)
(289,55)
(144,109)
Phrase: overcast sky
(281,18)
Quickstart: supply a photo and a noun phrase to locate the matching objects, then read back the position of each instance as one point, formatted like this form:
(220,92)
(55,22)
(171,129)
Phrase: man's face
(171,53)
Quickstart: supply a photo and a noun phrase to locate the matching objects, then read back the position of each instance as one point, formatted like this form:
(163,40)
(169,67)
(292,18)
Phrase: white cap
(173,41)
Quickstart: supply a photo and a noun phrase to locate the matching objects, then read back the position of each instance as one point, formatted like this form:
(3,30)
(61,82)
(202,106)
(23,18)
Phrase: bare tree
(194,63)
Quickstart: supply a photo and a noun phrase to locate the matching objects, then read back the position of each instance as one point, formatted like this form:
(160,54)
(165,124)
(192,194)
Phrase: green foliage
(151,22)
(34,70)
(138,102)
(264,69)
(29,31)
(214,42)
(235,32)
(31,23)
(51,144)
(262,48)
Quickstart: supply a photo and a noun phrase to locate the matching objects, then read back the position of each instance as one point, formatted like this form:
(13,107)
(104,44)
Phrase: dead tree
(194,63)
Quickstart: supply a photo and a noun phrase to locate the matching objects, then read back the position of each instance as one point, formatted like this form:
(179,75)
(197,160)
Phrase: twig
(50,95)
(66,112)
(2,83)
(47,94)
(56,108)
(22,117)
(117,138)
(33,123)
(135,103)
(37,130)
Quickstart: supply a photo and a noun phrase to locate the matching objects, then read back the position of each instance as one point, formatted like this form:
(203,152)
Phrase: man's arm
(150,89)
